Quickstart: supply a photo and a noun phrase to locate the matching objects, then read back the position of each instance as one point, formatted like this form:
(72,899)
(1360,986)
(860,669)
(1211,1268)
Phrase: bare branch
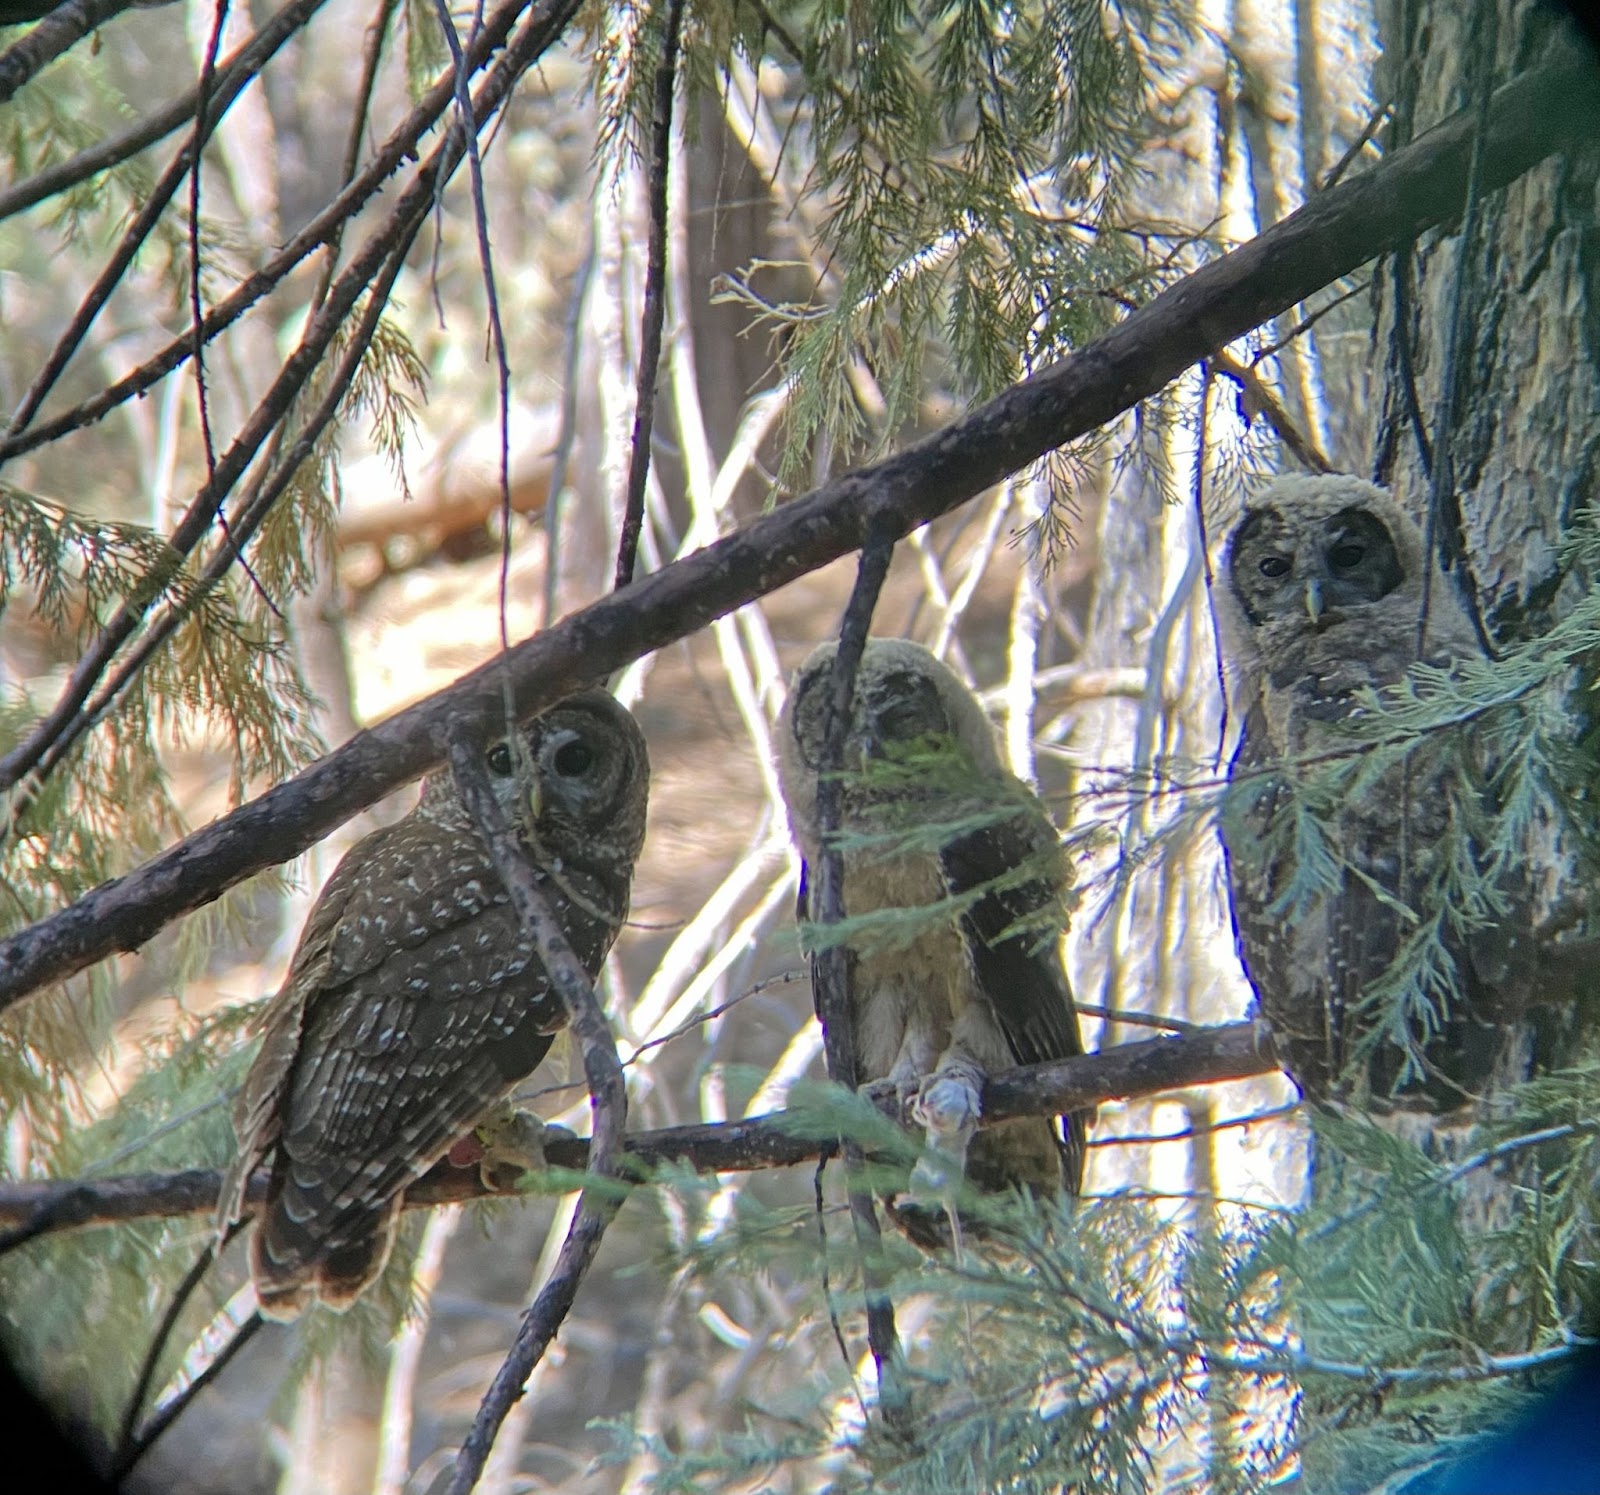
(608,1100)
(212,105)
(831,978)
(1333,234)
(1260,400)
(1129,1071)
(385,246)
(325,228)
(655,298)
(248,60)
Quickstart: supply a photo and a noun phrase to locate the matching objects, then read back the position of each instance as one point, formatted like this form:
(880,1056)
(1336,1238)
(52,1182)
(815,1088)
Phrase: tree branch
(1126,1072)
(58,29)
(831,977)
(386,245)
(326,228)
(653,312)
(94,159)
(1330,236)
(608,1101)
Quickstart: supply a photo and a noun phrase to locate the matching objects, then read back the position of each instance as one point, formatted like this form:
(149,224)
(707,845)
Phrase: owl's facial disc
(1278,572)
(900,709)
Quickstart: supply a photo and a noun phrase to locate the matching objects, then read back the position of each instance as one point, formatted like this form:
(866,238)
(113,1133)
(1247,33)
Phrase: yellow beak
(1314,600)
(536,798)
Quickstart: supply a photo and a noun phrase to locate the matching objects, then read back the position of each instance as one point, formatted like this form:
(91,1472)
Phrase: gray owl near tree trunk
(416,1001)
(954,890)
(1385,983)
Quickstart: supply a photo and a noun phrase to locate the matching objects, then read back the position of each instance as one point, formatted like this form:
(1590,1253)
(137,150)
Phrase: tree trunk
(1523,444)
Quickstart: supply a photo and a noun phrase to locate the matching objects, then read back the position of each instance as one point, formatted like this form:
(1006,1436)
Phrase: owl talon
(513,1144)
(903,1082)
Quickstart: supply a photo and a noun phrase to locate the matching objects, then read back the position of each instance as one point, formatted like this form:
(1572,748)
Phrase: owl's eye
(1274,566)
(500,760)
(574,759)
(1347,555)
(900,723)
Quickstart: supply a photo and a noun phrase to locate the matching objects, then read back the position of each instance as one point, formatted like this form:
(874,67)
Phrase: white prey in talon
(947,1107)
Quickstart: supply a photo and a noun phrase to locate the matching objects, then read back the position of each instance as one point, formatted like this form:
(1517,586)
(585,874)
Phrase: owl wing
(257,1106)
(1304,958)
(421,1005)
(1017,962)
(1314,961)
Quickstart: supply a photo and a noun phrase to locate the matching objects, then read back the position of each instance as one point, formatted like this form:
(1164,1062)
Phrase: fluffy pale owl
(416,1002)
(1320,595)
(945,996)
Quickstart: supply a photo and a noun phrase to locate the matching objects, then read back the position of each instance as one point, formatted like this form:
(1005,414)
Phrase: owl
(1321,596)
(954,882)
(416,1001)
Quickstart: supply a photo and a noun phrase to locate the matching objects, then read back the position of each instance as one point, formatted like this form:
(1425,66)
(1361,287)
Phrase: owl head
(578,777)
(904,698)
(1322,578)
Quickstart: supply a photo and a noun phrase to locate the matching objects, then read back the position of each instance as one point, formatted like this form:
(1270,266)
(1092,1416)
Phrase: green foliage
(893,797)
(224,674)
(79,1306)
(963,169)
(1126,1344)
(427,55)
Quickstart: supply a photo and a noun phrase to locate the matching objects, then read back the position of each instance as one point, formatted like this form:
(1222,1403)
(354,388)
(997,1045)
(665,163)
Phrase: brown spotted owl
(416,1001)
(1342,854)
(956,873)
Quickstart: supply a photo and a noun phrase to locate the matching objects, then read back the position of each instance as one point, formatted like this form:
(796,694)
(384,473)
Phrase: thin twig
(158,1342)
(1404,267)
(497,331)
(1307,322)
(247,60)
(153,206)
(1259,399)
(325,228)
(831,972)
(169,1412)
(371,55)
(1343,164)
(59,28)
(608,1098)
(386,245)
(655,298)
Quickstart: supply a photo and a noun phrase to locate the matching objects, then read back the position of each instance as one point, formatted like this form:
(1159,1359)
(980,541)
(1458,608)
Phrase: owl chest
(913,973)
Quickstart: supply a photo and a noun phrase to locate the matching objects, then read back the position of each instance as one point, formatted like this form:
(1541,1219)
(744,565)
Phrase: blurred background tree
(409,438)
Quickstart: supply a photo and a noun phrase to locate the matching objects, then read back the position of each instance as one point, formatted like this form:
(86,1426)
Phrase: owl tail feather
(291,1272)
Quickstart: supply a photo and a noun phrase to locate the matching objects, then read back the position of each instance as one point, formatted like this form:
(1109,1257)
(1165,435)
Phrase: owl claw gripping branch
(952,870)
(416,1001)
